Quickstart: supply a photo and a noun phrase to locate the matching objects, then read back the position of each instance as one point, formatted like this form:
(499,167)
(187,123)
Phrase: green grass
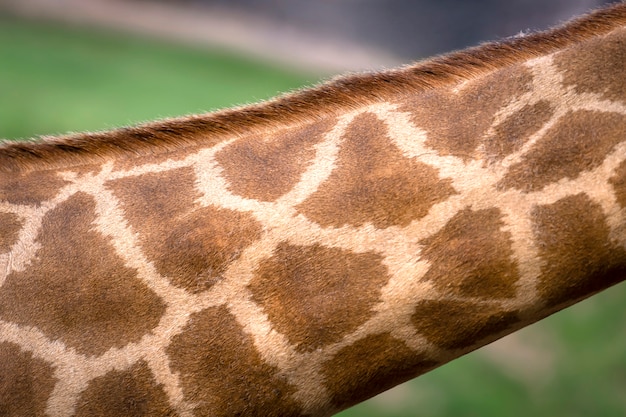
(54,79)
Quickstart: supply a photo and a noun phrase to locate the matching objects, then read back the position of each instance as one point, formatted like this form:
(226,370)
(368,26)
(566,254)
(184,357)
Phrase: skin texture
(299,256)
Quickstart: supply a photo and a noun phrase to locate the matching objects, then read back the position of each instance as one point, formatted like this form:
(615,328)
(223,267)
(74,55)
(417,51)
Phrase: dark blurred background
(75,65)
(409,29)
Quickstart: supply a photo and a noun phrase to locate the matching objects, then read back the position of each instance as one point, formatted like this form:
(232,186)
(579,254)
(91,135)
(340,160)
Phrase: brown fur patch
(306,106)
(25,382)
(456,122)
(30,188)
(10,225)
(77,289)
(458,324)
(578,142)
(83,170)
(374,182)
(210,355)
(513,133)
(619,184)
(579,258)
(191,245)
(266,167)
(157,156)
(472,257)
(131,393)
(597,66)
(370,366)
(308,292)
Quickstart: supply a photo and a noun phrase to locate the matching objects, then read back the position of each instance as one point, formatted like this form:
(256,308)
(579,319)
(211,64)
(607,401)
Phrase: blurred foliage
(54,79)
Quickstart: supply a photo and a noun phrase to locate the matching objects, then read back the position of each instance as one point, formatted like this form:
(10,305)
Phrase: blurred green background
(54,79)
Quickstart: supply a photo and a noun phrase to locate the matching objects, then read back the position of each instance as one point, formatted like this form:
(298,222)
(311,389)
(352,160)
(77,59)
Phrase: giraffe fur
(298,256)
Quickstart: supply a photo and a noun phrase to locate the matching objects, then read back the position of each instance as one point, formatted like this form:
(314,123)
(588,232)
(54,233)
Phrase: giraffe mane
(337,95)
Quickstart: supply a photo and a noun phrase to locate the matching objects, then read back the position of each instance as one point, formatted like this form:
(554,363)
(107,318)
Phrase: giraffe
(298,256)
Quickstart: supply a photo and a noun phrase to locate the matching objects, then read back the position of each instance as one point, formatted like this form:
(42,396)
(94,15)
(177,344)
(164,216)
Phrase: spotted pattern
(378,362)
(443,113)
(573,238)
(566,150)
(84,294)
(511,135)
(254,393)
(264,168)
(597,67)
(175,236)
(374,183)
(303,269)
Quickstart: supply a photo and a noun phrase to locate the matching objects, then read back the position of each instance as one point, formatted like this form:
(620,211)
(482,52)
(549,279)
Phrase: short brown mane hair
(333,97)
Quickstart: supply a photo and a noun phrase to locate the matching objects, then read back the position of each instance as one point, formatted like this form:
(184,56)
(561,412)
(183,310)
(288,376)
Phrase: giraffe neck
(286,260)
